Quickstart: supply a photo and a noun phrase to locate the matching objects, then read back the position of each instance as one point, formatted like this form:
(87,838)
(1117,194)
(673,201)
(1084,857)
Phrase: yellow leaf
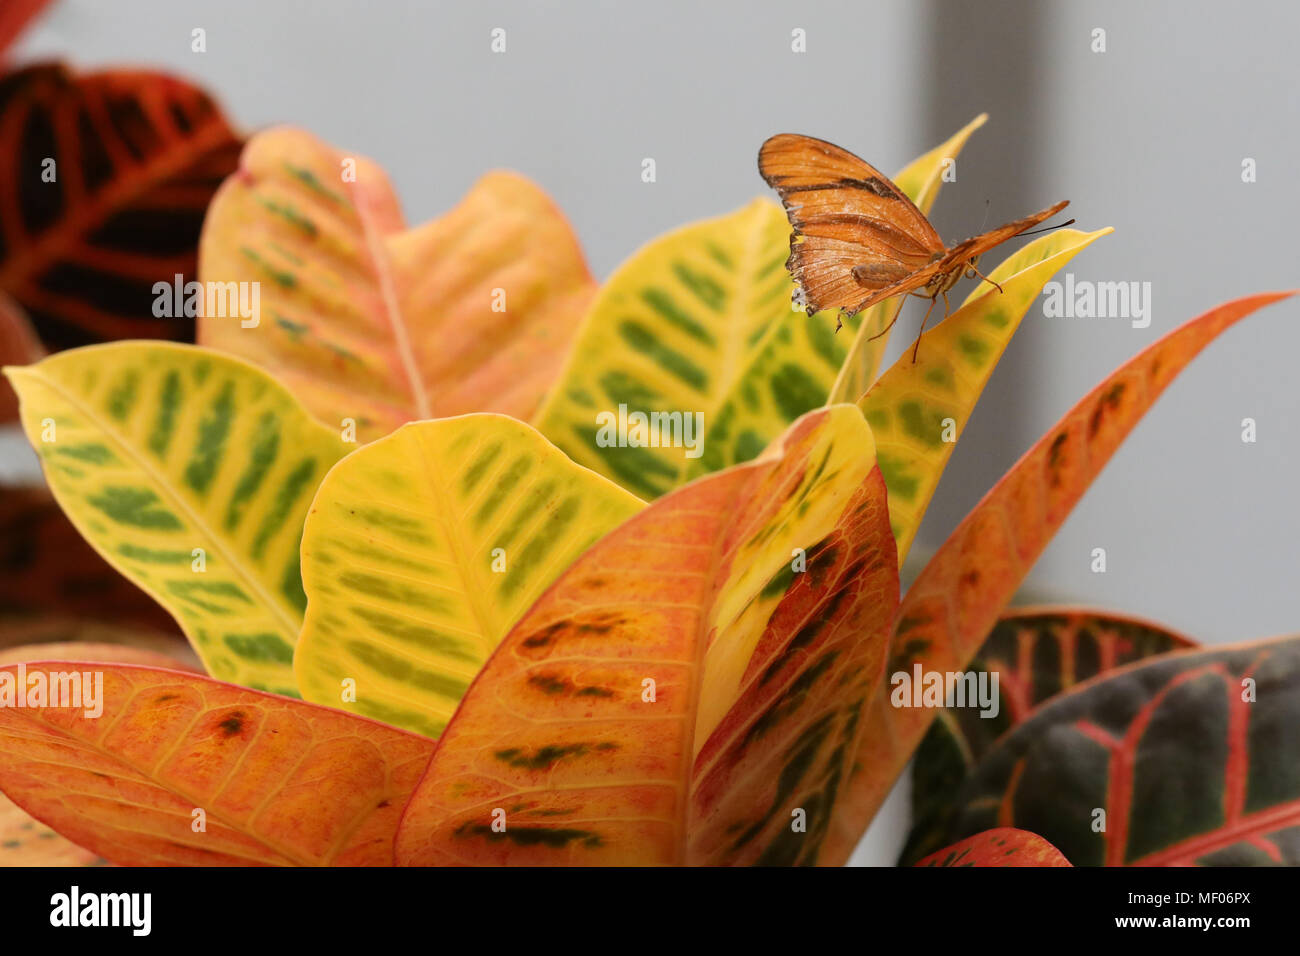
(191,472)
(365,321)
(424,547)
(917,410)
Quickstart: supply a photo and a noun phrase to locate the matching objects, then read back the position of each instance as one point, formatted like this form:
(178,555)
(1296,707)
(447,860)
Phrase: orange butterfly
(858,239)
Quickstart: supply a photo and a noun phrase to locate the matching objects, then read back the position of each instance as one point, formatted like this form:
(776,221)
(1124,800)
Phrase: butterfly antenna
(1034,232)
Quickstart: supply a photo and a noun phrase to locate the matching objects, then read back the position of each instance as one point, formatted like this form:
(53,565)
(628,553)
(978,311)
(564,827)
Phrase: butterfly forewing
(857,239)
(978,245)
(845,214)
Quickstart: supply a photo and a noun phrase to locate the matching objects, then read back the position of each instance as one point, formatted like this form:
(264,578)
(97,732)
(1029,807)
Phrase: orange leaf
(279,781)
(472,312)
(684,687)
(14,16)
(958,595)
(1003,846)
(25,841)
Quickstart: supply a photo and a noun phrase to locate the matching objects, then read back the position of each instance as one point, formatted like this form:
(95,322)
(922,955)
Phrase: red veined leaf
(684,692)
(1004,846)
(136,157)
(1192,756)
(279,781)
(18,346)
(46,566)
(960,592)
(1036,652)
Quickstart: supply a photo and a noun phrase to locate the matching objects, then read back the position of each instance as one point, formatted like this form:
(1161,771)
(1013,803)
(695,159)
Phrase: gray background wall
(1202,531)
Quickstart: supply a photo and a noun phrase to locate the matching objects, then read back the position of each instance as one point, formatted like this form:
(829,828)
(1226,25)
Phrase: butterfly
(858,240)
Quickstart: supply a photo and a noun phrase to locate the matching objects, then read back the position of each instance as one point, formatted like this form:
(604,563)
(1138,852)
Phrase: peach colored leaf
(366,321)
(279,781)
(102,653)
(25,841)
(959,594)
(684,686)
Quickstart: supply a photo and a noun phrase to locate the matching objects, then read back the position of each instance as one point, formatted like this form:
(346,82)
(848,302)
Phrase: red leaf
(1004,846)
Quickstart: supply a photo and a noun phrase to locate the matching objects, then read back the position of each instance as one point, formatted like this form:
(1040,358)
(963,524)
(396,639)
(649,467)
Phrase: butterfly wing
(855,232)
(963,251)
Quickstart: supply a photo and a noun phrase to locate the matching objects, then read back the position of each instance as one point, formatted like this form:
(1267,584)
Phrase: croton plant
(438,617)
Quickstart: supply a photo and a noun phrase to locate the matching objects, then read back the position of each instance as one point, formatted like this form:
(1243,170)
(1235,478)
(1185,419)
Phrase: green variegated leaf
(191,472)
(671,332)
(423,548)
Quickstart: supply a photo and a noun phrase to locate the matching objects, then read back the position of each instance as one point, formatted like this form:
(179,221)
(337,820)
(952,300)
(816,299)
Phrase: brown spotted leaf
(279,781)
(1003,846)
(684,692)
(1036,652)
(136,157)
(958,595)
(1192,758)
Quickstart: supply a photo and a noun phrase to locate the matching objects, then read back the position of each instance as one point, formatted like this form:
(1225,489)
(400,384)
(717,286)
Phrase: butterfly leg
(984,277)
(917,347)
(901,300)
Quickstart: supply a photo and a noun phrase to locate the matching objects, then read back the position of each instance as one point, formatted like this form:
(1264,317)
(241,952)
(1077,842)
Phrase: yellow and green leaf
(424,547)
(685,684)
(191,473)
(671,332)
(921,181)
(918,410)
(368,321)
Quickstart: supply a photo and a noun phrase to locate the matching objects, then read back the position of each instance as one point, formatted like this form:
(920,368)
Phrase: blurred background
(1201,530)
